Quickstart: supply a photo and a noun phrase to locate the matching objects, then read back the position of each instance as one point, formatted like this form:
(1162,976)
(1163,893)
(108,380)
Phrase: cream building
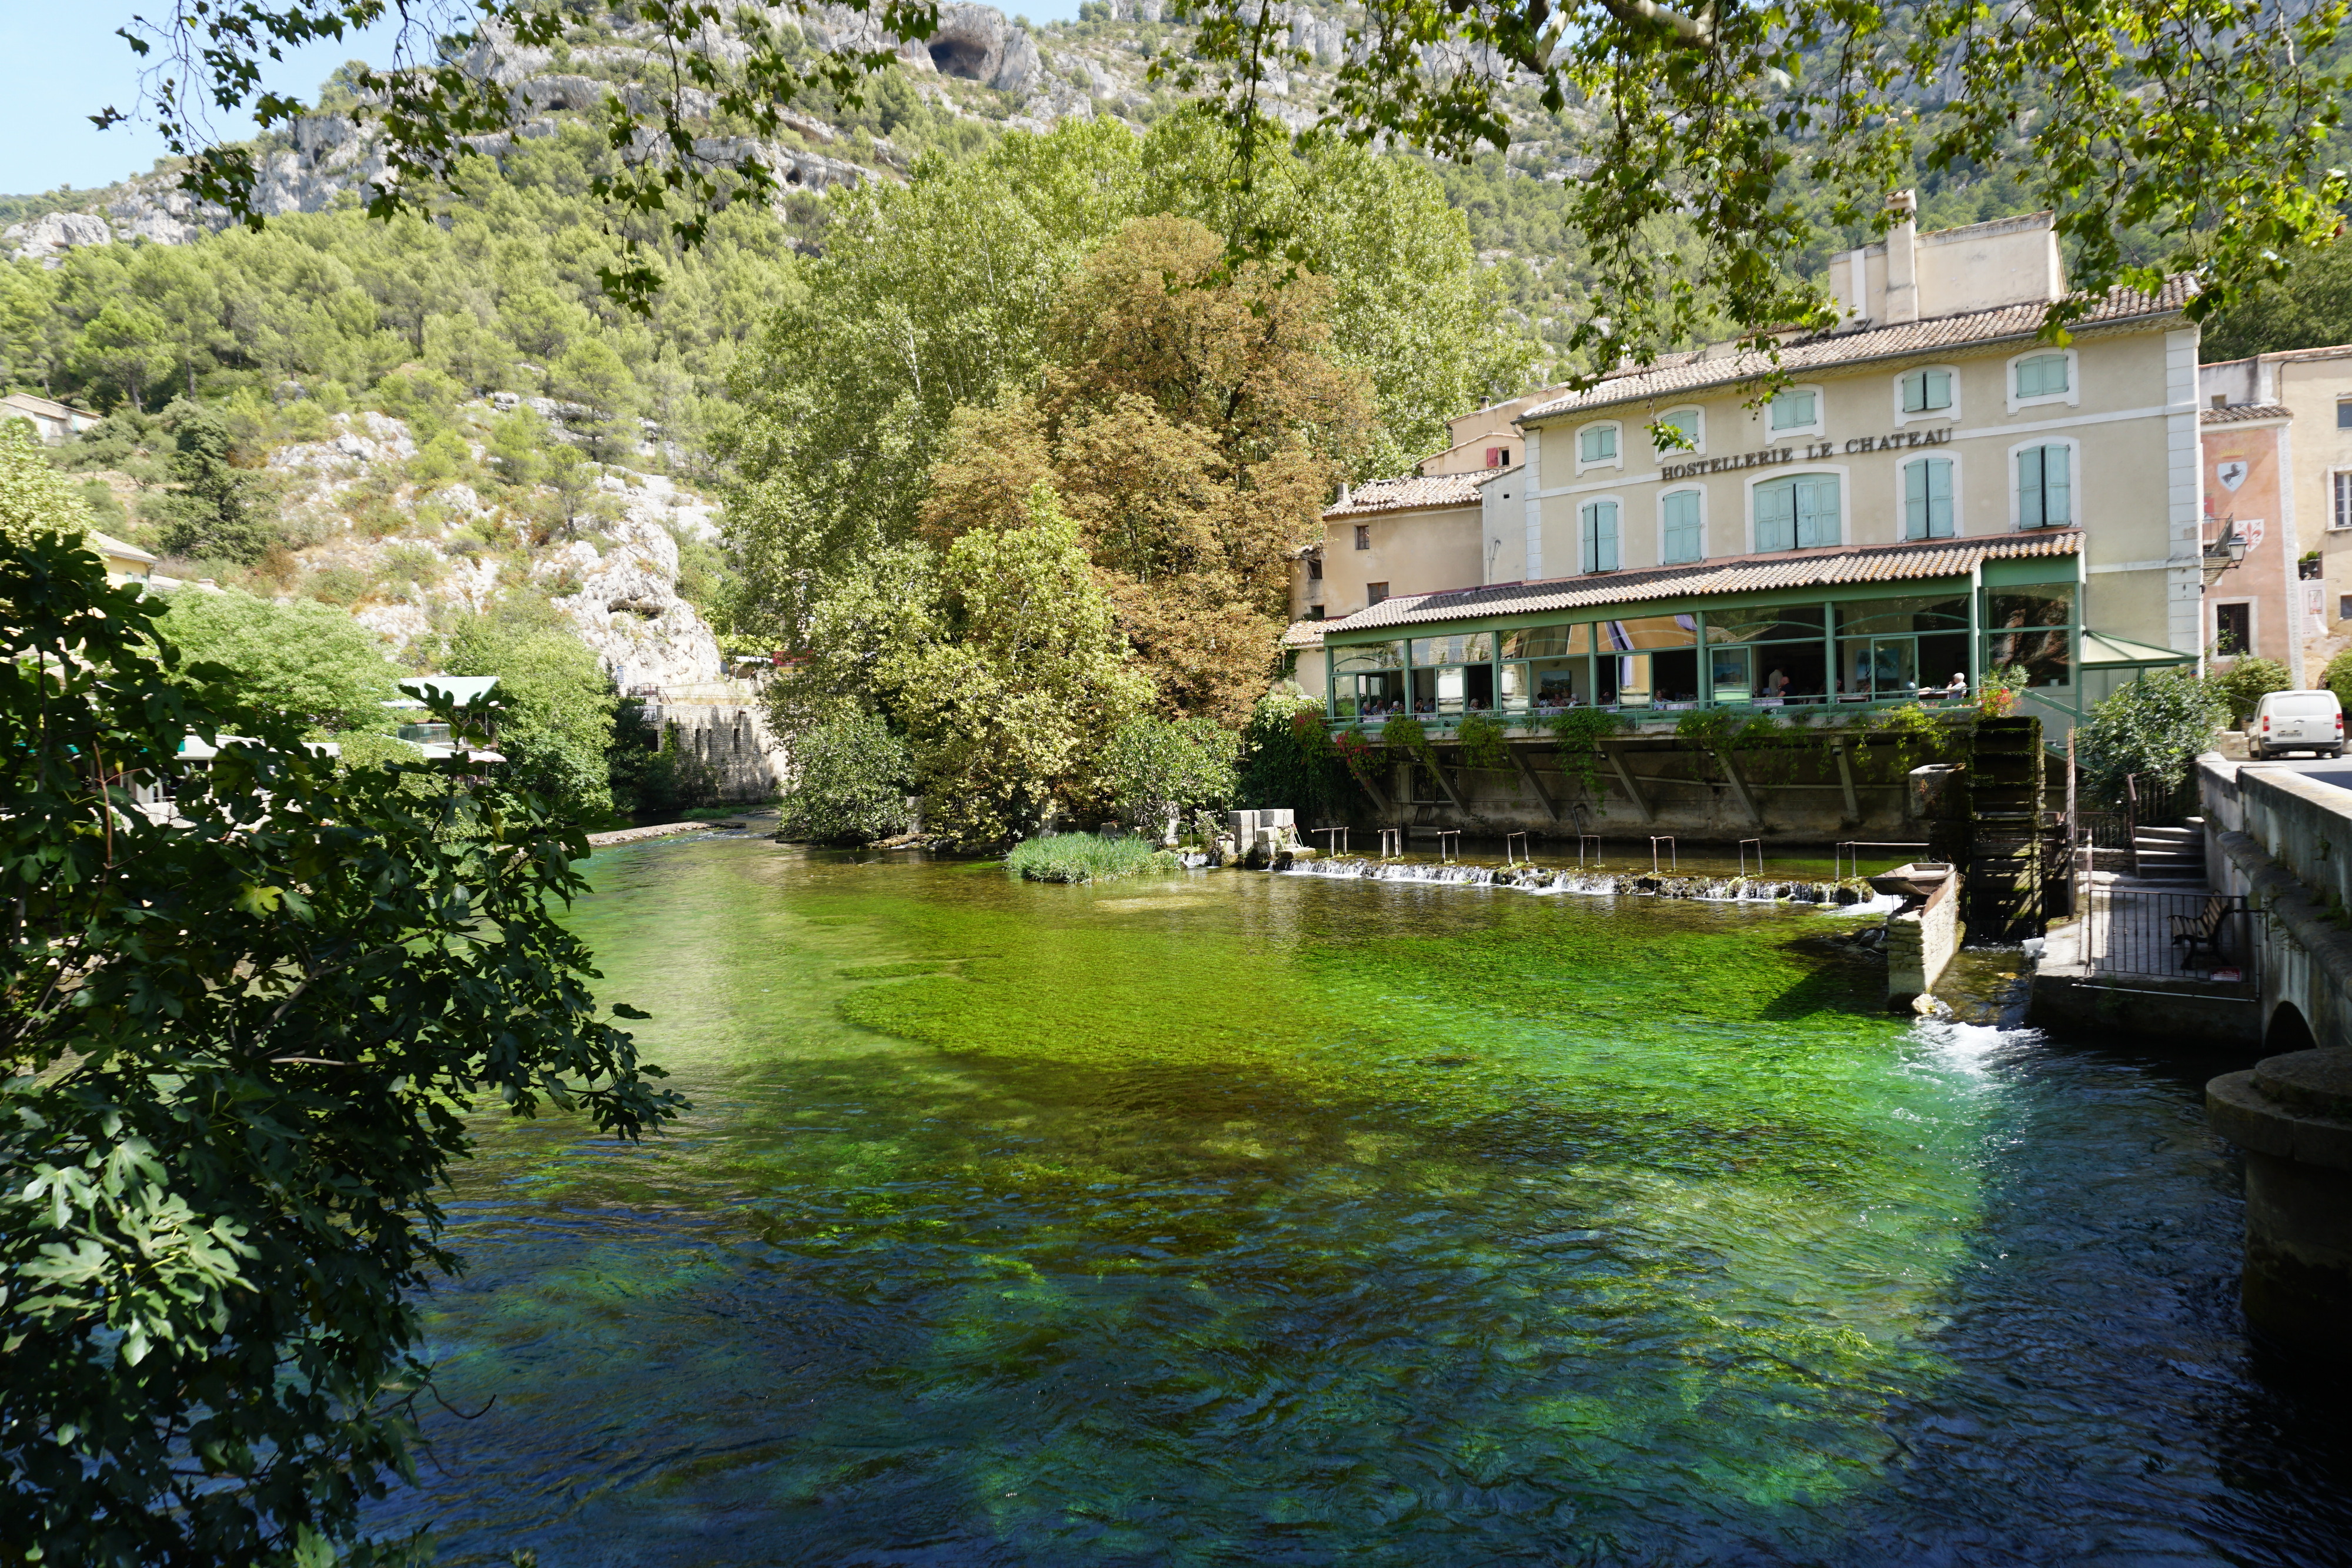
(1930,491)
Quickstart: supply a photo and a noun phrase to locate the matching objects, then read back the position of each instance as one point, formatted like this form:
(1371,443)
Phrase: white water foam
(1538,880)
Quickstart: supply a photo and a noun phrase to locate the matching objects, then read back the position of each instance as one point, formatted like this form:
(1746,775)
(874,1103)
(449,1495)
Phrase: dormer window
(1927,390)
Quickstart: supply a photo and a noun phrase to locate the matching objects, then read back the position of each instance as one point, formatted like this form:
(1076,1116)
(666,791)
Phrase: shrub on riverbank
(1083,857)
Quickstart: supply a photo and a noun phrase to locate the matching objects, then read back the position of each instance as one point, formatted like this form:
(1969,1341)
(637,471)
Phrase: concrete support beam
(1845,781)
(1528,777)
(1740,787)
(1626,782)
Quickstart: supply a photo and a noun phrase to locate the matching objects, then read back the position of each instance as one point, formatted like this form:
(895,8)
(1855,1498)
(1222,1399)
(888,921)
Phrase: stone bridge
(2284,842)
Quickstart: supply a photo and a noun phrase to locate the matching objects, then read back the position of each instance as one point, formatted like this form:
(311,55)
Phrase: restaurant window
(1597,536)
(2033,629)
(1800,512)
(1927,391)
(1682,534)
(1368,679)
(1647,661)
(1363,536)
(1597,443)
(1893,648)
(2042,375)
(1545,667)
(1454,675)
(2045,487)
(1927,498)
(1798,408)
(1771,655)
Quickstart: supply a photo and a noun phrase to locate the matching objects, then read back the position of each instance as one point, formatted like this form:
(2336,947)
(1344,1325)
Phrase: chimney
(1902,258)
(1343,494)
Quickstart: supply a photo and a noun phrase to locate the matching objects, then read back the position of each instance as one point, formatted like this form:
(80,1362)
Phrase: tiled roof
(1736,574)
(2238,413)
(1681,373)
(1410,490)
(1304,635)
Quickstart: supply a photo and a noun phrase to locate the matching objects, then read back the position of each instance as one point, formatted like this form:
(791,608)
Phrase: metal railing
(1540,718)
(2128,934)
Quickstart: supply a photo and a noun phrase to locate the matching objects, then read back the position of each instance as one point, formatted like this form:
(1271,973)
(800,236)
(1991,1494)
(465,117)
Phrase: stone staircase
(2171,854)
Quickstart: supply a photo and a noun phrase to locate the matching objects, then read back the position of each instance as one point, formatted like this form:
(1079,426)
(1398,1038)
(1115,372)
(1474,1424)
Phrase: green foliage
(2153,727)
(1353,752)
(1918,738)
(2311,309)
(851,780)
(1008,690)
(1580,732)
(2246,682)
(1083,857)
(212,510)
(1486,744)
(34,496)
(306,660)
(2338,678)
(225,1133)
(1156,769)
(558,722)
(1404,735)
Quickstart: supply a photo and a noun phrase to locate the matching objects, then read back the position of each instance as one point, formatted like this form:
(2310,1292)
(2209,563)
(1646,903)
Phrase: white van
(2296,721)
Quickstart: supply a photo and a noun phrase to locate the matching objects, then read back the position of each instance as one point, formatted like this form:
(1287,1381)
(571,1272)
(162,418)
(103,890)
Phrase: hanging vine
(1580,732)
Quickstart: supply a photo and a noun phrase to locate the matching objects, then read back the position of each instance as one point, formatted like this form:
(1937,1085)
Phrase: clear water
(1232,1218)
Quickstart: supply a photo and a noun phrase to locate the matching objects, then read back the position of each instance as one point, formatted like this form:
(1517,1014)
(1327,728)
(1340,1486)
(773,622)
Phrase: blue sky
(69,65)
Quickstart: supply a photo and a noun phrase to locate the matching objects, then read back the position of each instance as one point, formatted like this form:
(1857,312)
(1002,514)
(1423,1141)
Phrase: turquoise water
(1235,1219)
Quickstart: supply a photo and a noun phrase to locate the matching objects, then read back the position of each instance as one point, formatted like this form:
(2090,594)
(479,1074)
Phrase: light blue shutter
(2057,485)
(1817,510)
(1927,499)
(1937,386)
(1684,539)
(1776,514)
(1600,536)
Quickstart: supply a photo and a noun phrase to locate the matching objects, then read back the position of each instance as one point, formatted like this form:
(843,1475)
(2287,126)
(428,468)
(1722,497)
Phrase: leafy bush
(1156,770)
(2246,682)
(2151,727)
(228,1138)
(1486,744)
(301,658)
(559,705)
(852,779)
(1580,732)
(1084,857)
(214,509)
(1290,757)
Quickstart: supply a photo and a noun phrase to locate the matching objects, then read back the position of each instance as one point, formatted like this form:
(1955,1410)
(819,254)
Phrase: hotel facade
(1928,494)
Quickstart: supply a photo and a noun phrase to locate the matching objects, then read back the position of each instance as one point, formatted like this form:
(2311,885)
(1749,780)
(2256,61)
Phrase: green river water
(1236,1218)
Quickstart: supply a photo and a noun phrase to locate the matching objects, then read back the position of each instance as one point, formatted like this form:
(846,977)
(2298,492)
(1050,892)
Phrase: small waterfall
(1845,897)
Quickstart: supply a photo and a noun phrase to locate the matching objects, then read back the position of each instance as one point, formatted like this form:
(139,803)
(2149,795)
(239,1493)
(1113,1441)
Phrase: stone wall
(726,725)
(2284,843)
(1920,941)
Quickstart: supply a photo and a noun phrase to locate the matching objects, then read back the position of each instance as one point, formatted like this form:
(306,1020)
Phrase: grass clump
(1086,857)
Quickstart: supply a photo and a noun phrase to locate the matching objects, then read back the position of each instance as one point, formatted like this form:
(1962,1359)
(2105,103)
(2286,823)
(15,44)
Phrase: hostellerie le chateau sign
(1811,452)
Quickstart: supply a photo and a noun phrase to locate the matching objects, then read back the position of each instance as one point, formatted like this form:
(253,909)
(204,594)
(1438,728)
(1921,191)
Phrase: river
(1236,1218)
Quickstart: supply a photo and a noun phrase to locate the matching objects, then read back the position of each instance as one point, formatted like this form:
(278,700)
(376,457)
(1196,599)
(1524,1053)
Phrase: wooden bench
(2202,930)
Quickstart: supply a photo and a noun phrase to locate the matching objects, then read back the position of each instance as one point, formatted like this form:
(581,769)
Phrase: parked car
(2296,721)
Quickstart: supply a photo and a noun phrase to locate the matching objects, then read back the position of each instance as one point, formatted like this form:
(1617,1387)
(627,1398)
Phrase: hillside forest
(998,446)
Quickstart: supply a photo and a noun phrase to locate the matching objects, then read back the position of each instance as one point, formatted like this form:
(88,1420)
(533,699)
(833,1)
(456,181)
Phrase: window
(1684,421)
(2344,607)
(2045,490)
(1683,531)
(2344,413)
(1314,568)
(1796,408)
(2042,375)
(1375,591)
(1315,612)
(1597,531)
(1498,457)
(1927,390)
(1927,498)
(2233,629)
(1597,443)
(2340,517)
(1363,536)
(1800,512)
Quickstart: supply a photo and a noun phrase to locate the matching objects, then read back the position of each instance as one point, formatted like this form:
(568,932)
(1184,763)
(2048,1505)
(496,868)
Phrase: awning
(2105,650)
